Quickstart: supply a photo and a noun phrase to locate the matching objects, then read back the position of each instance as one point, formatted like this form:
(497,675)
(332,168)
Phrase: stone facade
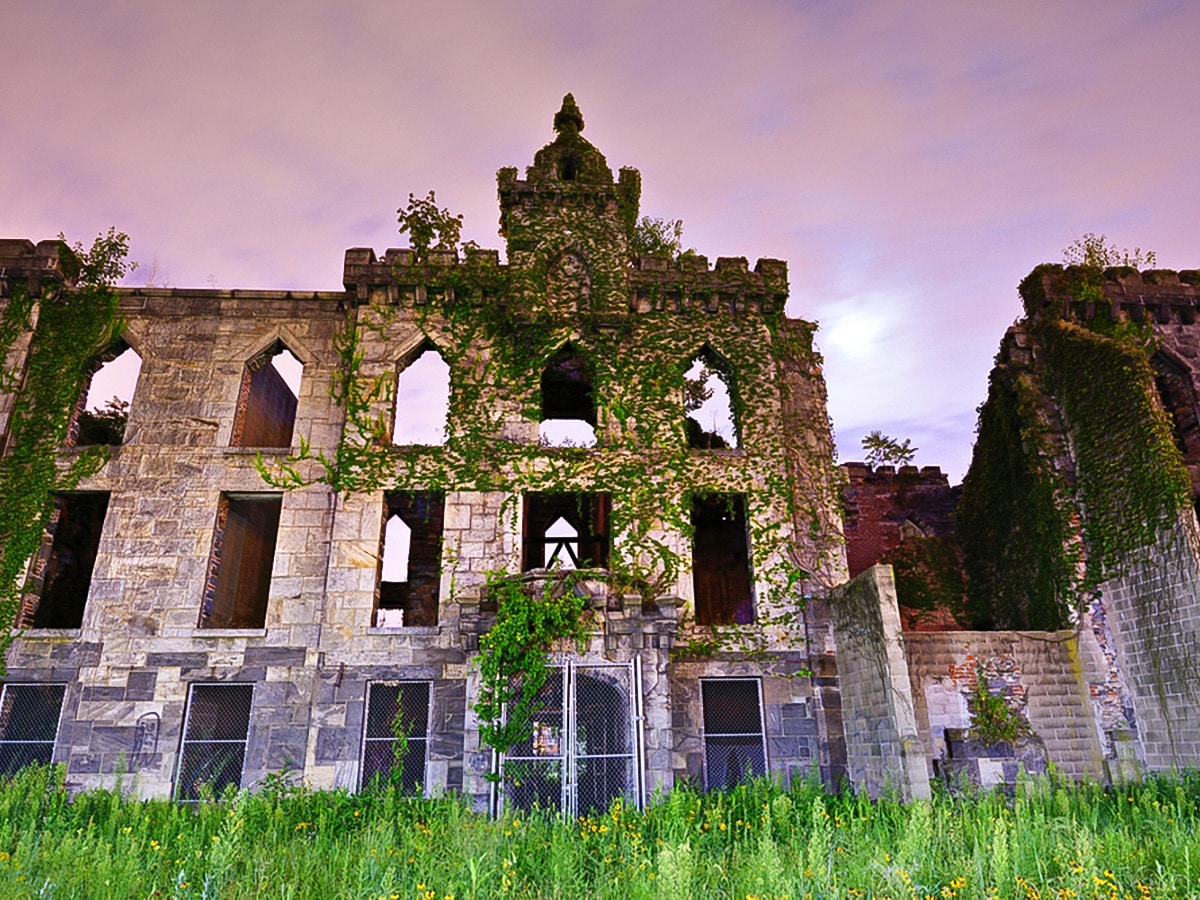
(568,307)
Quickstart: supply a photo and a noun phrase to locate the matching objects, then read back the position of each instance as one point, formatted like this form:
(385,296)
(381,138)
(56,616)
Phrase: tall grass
(1052,840)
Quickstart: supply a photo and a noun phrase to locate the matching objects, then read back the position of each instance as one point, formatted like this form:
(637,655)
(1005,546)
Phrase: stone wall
(1154,614)
(1041,675)
(883,749)
(569,282)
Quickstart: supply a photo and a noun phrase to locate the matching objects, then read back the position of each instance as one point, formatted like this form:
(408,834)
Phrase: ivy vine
(72,327)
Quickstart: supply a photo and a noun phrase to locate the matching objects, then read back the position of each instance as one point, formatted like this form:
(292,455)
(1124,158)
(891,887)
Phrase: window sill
(406,629)
(47,634)
(229,632)
(250,451)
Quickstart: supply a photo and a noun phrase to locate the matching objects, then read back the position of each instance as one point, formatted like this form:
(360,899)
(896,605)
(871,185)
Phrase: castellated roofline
(655,285)
(1165,295)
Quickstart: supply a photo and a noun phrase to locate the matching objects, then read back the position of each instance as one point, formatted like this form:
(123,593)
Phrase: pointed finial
(569,118)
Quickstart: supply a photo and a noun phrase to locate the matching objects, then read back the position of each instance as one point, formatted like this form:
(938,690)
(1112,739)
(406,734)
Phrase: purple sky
(911,161)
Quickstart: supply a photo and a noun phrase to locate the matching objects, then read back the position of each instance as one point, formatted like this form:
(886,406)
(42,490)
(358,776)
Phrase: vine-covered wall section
(69,318)
(1075,469)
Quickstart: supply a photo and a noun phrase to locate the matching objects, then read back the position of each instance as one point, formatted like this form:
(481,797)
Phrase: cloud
(927,153)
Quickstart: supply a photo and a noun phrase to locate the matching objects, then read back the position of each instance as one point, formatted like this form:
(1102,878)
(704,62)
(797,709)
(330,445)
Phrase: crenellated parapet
(34,266)
(1124,294)
(688,284)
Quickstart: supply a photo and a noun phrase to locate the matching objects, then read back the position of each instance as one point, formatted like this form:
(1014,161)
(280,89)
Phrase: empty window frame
(721,560)
(29,715)
(422,399)
(239,579)
(396,736)
(213,751)
(66,576)
(568,401)
(735,746)
(266,408)
(410,568)
(568,531)
(708,403)
(103,407)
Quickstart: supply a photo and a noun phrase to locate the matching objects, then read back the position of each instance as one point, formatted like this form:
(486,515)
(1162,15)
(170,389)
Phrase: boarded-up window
(721,560)
(266,409)
(567,530)
(243,553)
(76,525)
(214,739)
(734,743)
(29,715)
(410,571)
(397,734)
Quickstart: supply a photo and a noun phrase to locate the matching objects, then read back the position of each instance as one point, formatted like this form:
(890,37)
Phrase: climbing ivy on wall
(569,230)
(72,327)
(1042,523)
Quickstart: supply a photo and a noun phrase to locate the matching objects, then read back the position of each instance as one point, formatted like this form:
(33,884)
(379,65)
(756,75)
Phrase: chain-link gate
(585,750)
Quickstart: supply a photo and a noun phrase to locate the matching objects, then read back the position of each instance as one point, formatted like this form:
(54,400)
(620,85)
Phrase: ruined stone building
(268,567)
(216,604)
(1078,512)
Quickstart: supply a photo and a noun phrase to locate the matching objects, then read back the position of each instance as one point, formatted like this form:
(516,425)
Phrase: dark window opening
(734,743)
(29,715)
(568,401)
(721,560)
(708,403)
(396,709)
(568,167)
(410,570)
(214,739)
(103,408)
(422,399)
(243,553)
(568,531)
(266,408)
(75,526)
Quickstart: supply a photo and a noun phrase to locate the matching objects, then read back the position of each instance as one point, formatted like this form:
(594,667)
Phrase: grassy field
(1051,841)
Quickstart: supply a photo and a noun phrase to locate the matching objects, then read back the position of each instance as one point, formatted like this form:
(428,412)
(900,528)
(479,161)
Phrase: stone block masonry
(305,647)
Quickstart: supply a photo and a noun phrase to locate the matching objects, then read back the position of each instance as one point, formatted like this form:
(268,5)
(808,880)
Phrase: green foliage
(993,720)
(428,226)
(661,238)
(530,620)
(1096,252)
(758,840)
(1132,479)
(882,449)
(105,426)
(929,573)
(72,328)
(1013,525)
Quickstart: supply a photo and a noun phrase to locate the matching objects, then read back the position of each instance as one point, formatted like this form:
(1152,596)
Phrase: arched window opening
(707,404)
(266,410)
(568,531)
(103,408)
(422,400)
(568,402)
(1178,396)
(410,559)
